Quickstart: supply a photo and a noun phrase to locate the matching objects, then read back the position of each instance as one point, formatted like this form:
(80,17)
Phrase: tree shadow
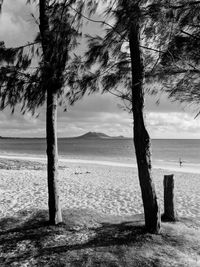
(35,230)
(86,239)
(106,235)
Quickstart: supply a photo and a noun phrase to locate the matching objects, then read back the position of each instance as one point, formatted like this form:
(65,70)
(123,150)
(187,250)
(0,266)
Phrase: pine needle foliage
(184,47)
(106,65)
(13,75)
(22,69)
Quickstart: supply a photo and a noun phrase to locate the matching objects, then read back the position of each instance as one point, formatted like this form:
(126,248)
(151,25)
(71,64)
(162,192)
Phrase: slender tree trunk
(55,215)
(141,136)
(49,86)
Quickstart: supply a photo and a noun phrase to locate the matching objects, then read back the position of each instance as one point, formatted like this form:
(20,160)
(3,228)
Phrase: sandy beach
(102,187)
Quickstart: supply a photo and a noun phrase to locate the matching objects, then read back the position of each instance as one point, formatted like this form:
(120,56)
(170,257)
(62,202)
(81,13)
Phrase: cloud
(82,117)
(17,25)
(95,113)
(100,113)
(173,125)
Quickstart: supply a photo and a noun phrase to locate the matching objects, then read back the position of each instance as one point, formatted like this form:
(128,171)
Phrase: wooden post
(169,203)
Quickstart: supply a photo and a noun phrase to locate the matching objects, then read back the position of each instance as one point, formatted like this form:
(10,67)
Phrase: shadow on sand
(84,239)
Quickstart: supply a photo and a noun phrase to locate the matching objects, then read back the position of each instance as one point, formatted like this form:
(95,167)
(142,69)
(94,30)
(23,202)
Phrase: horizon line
(111,137)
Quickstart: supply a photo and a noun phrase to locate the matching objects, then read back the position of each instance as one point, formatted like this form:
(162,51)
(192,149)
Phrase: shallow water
(165,152)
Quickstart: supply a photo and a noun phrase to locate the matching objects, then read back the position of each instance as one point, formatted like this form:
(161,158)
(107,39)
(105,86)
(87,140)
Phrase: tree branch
(105,23)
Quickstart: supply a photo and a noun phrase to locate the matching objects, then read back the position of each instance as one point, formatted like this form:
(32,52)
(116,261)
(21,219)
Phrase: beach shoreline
(186,168)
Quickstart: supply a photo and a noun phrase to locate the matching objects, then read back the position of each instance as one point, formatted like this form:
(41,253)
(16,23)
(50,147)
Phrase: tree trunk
(49,85)
(169,203)
(55,215)
(141,136)
(1,3)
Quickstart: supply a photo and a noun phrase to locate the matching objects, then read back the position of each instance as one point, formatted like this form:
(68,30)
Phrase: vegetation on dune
(15,164)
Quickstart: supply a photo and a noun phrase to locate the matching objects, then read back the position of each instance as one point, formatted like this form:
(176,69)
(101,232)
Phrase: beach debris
(81,172)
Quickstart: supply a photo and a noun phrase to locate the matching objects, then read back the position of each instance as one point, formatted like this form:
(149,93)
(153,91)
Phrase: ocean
(164,151)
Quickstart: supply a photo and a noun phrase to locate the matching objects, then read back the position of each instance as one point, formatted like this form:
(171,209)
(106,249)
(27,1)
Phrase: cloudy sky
(94,113)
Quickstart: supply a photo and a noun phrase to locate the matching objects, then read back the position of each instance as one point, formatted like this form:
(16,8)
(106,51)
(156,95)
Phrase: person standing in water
(180,162)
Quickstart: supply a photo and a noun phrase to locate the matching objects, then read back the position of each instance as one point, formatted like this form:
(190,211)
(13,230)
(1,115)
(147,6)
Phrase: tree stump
(169,202)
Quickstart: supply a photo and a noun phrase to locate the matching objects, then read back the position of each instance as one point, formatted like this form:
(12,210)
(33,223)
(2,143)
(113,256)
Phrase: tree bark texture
(169,202)
(55,215)
(141,136)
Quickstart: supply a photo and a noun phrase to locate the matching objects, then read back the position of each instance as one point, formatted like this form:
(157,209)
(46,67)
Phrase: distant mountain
(89,135)
(95,135)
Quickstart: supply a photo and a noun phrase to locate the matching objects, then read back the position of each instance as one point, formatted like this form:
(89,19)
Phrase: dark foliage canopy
(106,65)
(184,58)
(170,39)
(22,68)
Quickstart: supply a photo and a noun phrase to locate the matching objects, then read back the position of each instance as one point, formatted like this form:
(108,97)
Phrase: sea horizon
(74,137)
(166,153)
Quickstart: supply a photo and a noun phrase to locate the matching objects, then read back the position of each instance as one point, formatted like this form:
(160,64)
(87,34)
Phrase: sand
(102,187)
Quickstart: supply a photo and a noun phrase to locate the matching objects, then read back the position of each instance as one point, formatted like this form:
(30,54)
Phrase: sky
(100,113)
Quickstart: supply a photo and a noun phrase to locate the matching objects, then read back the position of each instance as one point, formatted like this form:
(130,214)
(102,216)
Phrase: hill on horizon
(88,135)
(98,135)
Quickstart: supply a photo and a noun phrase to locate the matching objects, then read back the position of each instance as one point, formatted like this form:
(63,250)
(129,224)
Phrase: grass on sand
(90,239)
